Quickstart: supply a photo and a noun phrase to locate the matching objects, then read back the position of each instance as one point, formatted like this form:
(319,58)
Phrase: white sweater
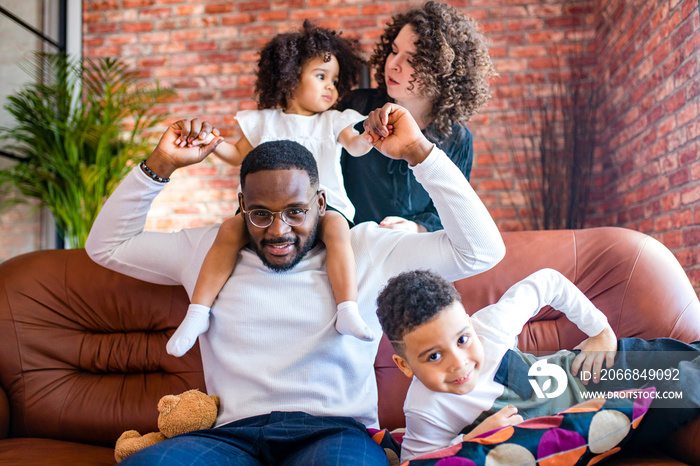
(434,420)
(272,344)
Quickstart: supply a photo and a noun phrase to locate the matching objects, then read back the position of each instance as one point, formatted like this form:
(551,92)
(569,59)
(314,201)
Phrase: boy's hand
(505,417)
(594,351)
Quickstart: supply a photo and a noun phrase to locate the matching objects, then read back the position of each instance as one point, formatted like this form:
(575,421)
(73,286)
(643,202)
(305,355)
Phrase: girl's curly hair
(281,60)
(452,63)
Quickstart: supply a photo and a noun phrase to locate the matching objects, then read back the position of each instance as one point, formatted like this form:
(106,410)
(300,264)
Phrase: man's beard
(302,250)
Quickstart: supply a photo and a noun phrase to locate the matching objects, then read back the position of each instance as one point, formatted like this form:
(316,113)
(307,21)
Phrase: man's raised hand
(171,154)
(395,133)
(194,132)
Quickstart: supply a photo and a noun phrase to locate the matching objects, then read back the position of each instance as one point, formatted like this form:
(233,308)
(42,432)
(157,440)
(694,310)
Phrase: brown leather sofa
(82,349)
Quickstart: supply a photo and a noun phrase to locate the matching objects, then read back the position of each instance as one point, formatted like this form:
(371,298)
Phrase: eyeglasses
(263,218)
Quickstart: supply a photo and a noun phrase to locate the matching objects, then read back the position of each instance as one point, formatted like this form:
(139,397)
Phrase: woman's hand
(399,223)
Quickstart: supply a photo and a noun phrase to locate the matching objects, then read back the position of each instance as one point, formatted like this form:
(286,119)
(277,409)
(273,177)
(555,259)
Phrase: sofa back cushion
(83,348)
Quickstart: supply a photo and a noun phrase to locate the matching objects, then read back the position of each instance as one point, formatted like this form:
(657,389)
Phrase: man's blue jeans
(278,438)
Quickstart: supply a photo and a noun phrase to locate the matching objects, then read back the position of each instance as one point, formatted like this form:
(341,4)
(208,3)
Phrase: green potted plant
(80,127)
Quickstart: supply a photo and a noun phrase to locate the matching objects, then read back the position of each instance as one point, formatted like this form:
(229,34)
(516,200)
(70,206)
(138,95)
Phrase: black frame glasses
(263,218)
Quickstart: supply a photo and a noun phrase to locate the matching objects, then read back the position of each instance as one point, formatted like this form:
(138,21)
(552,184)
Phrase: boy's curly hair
(452,62)
(411,299)
(281,60)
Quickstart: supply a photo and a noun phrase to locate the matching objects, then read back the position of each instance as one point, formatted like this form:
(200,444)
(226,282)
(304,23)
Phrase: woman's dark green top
(380,187)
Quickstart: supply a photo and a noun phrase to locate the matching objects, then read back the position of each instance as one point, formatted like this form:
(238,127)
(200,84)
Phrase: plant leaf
(79,127)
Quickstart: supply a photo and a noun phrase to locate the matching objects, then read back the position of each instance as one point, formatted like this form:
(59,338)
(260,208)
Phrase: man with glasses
(292,389)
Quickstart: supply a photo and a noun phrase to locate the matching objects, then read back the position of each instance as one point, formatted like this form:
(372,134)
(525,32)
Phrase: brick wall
(643,56)
(19,225)
(19,231)
(649,146)
(208,51)
(534,46)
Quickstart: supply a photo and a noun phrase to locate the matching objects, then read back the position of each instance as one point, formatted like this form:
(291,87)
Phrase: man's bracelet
(150,173)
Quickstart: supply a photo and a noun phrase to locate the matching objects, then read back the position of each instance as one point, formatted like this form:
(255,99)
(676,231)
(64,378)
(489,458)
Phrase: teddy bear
(188,411)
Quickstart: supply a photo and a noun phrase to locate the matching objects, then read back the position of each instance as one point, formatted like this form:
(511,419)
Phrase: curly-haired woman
(300,76)
(433,61)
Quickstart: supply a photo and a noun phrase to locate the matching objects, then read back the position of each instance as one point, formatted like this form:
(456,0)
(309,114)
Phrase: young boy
(469,378)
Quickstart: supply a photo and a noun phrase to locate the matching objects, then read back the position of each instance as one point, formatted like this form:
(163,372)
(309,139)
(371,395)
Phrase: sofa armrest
(683,444)
(4,414)
(83,348)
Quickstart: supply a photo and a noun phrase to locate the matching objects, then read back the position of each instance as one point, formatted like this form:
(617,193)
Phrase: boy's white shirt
(433,419)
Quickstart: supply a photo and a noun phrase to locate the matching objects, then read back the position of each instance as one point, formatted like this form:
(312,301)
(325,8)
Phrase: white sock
(195,323)
(349,322)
